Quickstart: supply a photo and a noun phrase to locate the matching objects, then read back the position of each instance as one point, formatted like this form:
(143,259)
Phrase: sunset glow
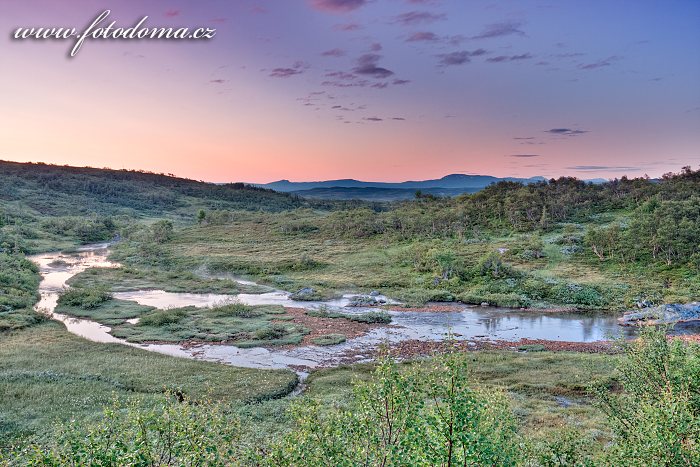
(375,90)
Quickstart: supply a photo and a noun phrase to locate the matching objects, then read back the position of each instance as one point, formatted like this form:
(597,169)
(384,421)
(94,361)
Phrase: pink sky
(218,111)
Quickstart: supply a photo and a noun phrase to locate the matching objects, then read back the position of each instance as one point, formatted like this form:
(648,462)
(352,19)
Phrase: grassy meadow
(556,244)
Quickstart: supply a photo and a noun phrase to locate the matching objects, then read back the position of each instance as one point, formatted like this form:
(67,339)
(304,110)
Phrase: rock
(643,304)
(664,314)
(484,303)
(366,300)
(374,293)
(305,294)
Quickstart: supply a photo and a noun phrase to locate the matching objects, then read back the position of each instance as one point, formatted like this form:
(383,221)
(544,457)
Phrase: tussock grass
(49,376)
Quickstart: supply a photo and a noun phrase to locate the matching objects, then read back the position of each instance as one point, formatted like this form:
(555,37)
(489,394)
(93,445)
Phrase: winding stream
(469,323)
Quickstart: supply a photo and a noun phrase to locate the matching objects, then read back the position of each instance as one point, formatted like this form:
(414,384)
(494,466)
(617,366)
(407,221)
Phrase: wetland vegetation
(556,244)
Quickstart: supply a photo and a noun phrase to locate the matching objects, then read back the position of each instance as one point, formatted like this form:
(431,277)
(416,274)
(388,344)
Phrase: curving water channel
(469,323)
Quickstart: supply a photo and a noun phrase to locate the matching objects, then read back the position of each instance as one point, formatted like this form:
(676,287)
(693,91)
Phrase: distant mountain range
(450,185)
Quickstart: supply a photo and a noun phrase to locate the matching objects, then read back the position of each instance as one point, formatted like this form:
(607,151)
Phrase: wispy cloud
(508,28)
(347,27)
(600,63)
(296,69)
(415,18)
(603,168)
(459,58)
(524,156)
(338,6)
(172,13)
(510,58)
(565,132)
(333,53)
(423,36)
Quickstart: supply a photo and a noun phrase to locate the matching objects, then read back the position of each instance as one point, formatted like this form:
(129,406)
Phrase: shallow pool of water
(466,323)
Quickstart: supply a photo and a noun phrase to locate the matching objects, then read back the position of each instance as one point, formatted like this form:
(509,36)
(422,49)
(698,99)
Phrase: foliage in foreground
(171,434)
(656,417)
(410,415)
(406,418)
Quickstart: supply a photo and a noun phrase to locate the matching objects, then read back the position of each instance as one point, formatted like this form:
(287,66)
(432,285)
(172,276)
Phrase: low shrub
(531,348)
(271,332)
(380,317)
(329,339)
(84,297)
(510,300)
(238,310)
(162,317)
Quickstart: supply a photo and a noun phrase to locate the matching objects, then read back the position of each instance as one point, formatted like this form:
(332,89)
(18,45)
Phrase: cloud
(507,28)
(375,47)
(218,81)
(601,168)
(399,82)
(296,69)
(509,58)
(373,119)
(398,118)
(172,13)
(565,132)
(368,65)
(343,75)
(600,63)
(524,137)
(569,55)
(523,155)
(333,53)
(337,6)
(459,58)
(347,27)
(285,72)
(414,18)
(424,36)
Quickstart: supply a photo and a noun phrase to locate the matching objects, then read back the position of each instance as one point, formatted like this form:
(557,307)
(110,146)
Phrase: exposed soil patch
(323,326)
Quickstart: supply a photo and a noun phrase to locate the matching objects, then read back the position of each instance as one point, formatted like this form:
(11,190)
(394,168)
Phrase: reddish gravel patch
(416,348)
(322,326)
(688,338)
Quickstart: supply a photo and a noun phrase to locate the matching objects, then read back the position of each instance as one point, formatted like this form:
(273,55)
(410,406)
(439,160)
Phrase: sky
(386,90)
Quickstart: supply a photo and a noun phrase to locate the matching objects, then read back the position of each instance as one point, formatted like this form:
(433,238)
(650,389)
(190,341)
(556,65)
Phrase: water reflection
(465,323)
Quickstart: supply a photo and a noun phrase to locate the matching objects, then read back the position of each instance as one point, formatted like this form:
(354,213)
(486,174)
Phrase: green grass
(238,324)
(264,247)
(19,319)
(329,339)
(112,312)
(49,376)
(369,317)
(548,390)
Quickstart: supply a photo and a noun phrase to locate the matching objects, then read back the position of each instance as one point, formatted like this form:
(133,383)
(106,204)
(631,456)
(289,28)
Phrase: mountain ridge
(453,181)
